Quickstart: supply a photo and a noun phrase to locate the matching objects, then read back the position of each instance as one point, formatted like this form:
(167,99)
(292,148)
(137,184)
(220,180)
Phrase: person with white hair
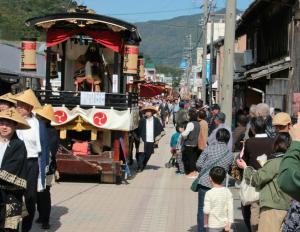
(252,114)
(263,110)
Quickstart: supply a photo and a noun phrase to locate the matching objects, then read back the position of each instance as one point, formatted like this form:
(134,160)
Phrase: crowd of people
(262,148)
(28,145)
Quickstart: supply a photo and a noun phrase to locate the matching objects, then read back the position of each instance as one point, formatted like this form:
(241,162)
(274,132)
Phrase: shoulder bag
(248,193)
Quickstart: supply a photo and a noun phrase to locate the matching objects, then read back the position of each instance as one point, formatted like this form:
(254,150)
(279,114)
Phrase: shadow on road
(239,226)
(80,178)
(58,211)
(193,229)
(152,167)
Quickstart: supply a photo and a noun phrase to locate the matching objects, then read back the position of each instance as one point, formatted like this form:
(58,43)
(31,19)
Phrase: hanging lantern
(53,65)
(141,68)
(28,55)
(130,59)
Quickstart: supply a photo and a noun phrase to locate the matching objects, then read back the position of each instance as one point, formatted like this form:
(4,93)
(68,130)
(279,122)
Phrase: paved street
(156,200)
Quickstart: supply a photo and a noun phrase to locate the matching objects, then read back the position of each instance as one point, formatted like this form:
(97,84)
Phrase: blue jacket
(44,154)
(174,139)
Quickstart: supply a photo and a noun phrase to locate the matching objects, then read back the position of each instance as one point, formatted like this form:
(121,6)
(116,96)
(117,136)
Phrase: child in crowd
(173,143)
(218,203)
(180,166)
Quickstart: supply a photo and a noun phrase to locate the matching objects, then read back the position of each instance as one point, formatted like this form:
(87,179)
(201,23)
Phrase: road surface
(156,200)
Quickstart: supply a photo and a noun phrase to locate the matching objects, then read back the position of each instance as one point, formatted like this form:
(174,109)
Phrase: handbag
(248,193)
(195,185)
(234,170)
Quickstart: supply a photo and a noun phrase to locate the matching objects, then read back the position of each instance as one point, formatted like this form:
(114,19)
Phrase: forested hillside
(163,41)
(13,14)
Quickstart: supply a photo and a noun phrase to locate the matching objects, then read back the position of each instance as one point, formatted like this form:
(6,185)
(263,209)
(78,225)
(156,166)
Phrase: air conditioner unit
(248,57)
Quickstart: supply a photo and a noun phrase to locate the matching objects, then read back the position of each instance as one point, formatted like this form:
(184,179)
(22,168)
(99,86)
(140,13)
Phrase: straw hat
(282,119)
(27,97)
(149,108)
(13,115)
(46,112)
(8,98)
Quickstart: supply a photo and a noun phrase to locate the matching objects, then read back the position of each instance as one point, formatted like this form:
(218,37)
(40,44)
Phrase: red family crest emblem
(100,118)
(61,116)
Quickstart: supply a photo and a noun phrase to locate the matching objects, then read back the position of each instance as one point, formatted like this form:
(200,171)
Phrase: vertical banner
(130,59)
(208,70)
(28,56)
(141,68)
(115,83)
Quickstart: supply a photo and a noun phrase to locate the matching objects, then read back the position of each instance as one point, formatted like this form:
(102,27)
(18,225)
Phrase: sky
(145,10)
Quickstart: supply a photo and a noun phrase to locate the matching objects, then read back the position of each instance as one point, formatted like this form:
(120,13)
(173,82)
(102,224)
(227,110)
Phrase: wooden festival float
(96,59)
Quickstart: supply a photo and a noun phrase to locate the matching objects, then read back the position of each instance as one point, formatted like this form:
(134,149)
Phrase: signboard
(183,64)
(92,98)
(129,79)
(208,70)
(115,83)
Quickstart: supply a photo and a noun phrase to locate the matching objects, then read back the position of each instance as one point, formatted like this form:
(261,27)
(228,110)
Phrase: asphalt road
(156,200)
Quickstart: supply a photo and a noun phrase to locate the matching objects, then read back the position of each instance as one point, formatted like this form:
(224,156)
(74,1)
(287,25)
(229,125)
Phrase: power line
(178,26)
(156,12)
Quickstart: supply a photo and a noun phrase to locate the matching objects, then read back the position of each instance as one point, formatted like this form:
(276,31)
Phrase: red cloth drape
(148,90)
(106,38)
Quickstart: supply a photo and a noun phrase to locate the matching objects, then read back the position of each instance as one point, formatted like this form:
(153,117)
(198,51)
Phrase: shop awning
(268,70)
(149,90)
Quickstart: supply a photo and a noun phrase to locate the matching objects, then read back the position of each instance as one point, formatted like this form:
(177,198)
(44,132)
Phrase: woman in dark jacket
(190,151)
(258,145)
(13,157)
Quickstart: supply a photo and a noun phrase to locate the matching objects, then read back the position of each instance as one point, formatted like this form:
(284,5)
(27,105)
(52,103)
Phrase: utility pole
(204,30)
(227,88)
(211,58)
(189,54)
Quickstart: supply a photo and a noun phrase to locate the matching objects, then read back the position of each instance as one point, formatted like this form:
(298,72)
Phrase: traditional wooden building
(269,27)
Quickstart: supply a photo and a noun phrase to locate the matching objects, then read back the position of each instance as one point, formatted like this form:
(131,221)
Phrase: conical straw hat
(13,115)
(7,97)
(46,112)
(27,97)
(149,108)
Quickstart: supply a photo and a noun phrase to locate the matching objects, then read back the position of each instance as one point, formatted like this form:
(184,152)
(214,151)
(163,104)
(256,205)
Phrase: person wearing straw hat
(150,131)
(13,161)
(6,102)
(46,114)
(26,102)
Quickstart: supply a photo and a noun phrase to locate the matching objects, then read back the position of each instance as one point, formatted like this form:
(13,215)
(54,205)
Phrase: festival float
(96,59)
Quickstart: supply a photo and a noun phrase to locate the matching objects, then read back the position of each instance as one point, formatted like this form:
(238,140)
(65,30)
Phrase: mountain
(164,40)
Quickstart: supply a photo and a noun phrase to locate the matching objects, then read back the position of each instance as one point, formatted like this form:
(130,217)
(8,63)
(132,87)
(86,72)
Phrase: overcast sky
(145,10)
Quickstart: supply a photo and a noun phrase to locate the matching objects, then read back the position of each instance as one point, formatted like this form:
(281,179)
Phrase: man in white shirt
(26,102)
(150,131)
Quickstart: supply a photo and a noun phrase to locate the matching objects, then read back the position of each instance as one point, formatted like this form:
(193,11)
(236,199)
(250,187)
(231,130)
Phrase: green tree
(172,71)
(14,13)
(168,70)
